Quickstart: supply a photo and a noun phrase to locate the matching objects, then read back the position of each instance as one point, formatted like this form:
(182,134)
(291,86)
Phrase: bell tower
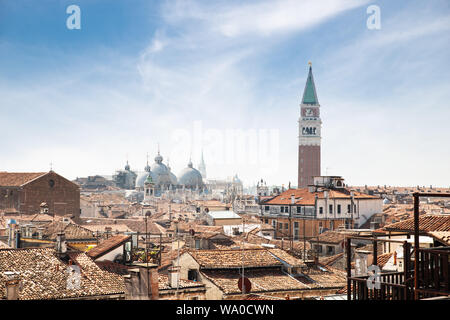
(310,126)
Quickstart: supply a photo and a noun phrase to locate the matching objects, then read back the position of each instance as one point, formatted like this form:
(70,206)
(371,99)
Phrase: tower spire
(309,94)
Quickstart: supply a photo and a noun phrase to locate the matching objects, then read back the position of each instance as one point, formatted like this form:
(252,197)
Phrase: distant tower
(309,134)
(202,167)
(149,189)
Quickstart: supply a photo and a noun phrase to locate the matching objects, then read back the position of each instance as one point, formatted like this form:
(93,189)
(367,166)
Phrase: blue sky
(139,73)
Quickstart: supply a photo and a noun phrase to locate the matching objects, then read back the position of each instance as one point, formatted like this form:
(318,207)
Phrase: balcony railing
(433,272)
(391,287)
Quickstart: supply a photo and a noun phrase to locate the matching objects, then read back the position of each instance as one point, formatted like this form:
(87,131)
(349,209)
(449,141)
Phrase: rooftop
(427,223)
(249,257)
(303,196)
(107,245)
(223,215)
(44,276)
(17,179)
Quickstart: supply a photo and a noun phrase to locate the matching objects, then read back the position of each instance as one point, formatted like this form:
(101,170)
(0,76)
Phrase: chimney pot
(12,285)
(61,246)
(174,275)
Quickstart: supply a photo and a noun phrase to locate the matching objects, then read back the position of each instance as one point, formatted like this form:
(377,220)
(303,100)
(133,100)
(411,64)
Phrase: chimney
(174,275)
(142,282)
(395,258)
(108,232)
(61,246)
(12,285)
(17,239)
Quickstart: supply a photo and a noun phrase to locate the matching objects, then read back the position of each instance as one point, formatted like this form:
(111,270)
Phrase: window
(330,250)
(320,210)
(197,243)
(280,225)
(51,183)
(348,208)
(296,225)
(281,209)
(266,220)
(299,209)
(192,275)
(266,208)
(331,208)
(318,248)
(286,226)
(339,208)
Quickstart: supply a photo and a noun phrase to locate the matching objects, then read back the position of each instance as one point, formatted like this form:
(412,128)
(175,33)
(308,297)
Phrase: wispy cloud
(262,18)
(228,65)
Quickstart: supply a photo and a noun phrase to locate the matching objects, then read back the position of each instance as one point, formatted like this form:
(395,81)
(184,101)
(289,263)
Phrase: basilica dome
(190,177)
(173,178)
(160,173)
(140,180)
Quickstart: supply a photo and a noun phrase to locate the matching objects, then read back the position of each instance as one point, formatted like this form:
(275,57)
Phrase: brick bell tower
(309,134)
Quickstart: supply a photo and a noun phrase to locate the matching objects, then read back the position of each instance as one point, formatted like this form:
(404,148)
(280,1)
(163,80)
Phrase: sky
(226,77)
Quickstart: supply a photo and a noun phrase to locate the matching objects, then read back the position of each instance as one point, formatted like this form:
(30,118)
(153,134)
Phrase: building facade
(327,204)
(26,192)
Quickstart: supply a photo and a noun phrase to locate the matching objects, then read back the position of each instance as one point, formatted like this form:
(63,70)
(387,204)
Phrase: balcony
(426,271)
(392,287)
(433,279)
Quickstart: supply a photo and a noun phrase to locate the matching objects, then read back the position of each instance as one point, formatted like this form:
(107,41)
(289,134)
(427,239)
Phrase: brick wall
(308,164)
(61,195)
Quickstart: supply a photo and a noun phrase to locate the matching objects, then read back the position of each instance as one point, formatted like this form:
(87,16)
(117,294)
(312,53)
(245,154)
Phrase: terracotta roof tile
(329,237)
(163,283)
(103,227)
(107,245)
(443,236)
(44,276)
(17,179)
(72,231)
(304,197)
(214,259)
(431,222)
(383,259)
(331,259)
(268,280)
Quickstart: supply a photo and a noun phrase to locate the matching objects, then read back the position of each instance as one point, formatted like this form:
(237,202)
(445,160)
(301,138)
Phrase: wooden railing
(391,287)
(433,272)
(433,278)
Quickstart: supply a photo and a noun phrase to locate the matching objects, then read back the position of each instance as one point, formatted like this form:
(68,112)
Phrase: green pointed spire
(309,95)
(149,179)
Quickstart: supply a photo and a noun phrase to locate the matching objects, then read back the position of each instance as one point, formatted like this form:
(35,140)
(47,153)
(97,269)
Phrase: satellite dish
(247,287)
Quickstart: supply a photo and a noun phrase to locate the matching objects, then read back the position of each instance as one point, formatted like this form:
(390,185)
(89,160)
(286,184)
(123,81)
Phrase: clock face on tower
(309,131)
(309,112)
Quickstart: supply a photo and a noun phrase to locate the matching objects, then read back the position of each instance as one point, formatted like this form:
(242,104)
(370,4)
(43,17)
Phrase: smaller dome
(127,166)
(190,177)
